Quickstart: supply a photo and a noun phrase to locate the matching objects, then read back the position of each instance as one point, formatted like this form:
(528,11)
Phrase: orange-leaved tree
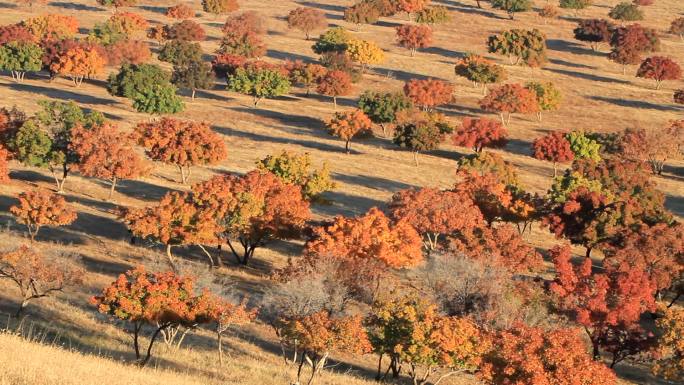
(180,11)
(413,37)
(252,209)
(346,125)
(480,133)
(107,153)
(226,314)
(159,299)
(52,27)
(670,349)
(38,208)
(530,355)
(510,99)
(181,143)
(4,168)
(334,83)
(553,147)
(306,20)
(79,63)
(428,93)
(36,276)
(436,213)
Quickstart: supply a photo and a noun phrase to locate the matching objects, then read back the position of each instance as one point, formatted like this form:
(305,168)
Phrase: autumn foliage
(413,37)
(334,83)
(52,26)
(181,143)
(480,133)
(659,68)
(38,208)
(429,93)
(510,99)
(346,125)
(670,349)
(594,31)
(553,147)
(180,11)
(306,20)
(79,63)
(219,7)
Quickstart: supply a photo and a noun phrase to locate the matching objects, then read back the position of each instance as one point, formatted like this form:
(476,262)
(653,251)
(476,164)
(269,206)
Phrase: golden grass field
(597,97)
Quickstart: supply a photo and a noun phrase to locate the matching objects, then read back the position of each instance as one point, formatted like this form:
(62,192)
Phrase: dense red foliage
(553,147)
(480,133)
(509,99)
(414,36)
(335,83)
(429,93)
(659,68)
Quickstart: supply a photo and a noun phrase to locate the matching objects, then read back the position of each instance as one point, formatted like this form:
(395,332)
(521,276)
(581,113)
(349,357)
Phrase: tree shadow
(99,226)
(675,204)
(389,24)
(99,266)
(272,139)
(443,52)
(325,7)
(518,146)
(570,64)
(345,204)
(8,6)
(586,76)
(468,9)
(341,101)
(373,182)
(282,55)
(75,6)
(634,103)
(399,74)
(139,189)
(30,176)
(61,94)
(150,8)
(568,46)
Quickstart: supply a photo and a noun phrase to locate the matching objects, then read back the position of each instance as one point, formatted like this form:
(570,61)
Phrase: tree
(158,99)
(527,46)
(362,13)
(252,209)
(410,6)
(318,335)
(128,23)
(414,36)
(36,276)
(106,153)
(333,40)
(242,35)
(226,315)
(295,168)
(180,11)
(366,241)
(335,83)
(180,53)
(594,31)
(510,99)
(382,108)
(584,147)
(306,20)
(670,364)
(659,68)
(411,331)
(630,42)
(128,52)
(305,74)
(530,355)
(226,64)
(15,32)
(480,71)
(219,7)
(52,27)
(512,6)
(678,96)
(259,83)
(161,299)
(186,30)
(180,143)
(553,147)
(420,131)
(549,12)
(480,133)
(435,213)
(626,11)
(548,96)
(347,125)
(175,221)
(79,63)
(575,4)
(32,146)
(603,303)
(661,144)
(19,58)
(428,93)
(194,76)
(677,27)
(364,52)
(40,208)
(433,15)
(135,79)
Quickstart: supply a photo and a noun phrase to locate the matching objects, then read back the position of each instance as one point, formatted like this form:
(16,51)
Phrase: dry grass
(597,96)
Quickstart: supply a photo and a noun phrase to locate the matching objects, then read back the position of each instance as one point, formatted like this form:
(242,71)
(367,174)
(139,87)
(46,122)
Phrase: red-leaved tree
(510,99)
(553,147)
(413,37)
(429,93)
(347,125)
(659,68)
(335,83)
(480,133)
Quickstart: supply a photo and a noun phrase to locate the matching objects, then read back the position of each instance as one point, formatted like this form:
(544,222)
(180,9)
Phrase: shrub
(512,6)
(362,13)
(433,15)
(346,125)
(659,68)
(594,31)
(527,46)
(627,12)
(332,40)
(186,30)
(480,71)
(180,11)
(306,20)
(414,37)
(219,7)
(259,83)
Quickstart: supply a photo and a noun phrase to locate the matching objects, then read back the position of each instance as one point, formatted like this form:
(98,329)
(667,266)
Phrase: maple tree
(435,213)
(35,275)
(335,83)
(677,27)
(626,12)
(180,11)
(526,46)
(306,20)
(362,13)
(670,349)
(655,146)
(605,304)
(105,152)
(181,143)
(52,26)
(128,23)
(659,68)
(226,64)
(433,15)
(219,7)
(20,57)
(480,71)
(347,125)
(429,93)
(628,43)
(414,36)
(480,133)
(409,6)
(128,52)
(510,99)
(38,208)
(253,209)
(420,131)
(553,147)
(186,30)
(161,299)
(295,168)
(79,63)
(226,314)
(532,355)
(594,31)
(242,35)
(4,167)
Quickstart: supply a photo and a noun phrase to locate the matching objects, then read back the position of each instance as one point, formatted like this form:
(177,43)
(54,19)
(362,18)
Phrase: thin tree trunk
(170,257)
(211,260)
(111,189)
(346,146)
(415,158)
(149,347)
(335,102)
(219,339)
(193,94)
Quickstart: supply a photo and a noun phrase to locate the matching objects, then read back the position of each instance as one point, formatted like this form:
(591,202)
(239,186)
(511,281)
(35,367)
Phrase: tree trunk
(170,257)
(588,253)
(334,102)
(555,169)
(415,158)
(22,305)
(149,347)
(346,146)
(111,189)
(193,94)
(219,339)
(211,260)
